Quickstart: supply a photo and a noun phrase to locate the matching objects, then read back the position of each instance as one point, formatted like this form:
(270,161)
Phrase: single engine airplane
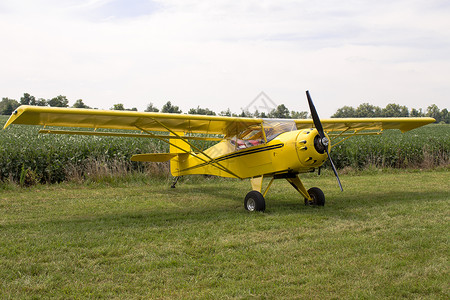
(251,148)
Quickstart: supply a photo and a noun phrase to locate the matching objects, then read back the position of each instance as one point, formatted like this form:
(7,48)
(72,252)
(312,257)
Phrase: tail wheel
(317,196)
(254,201)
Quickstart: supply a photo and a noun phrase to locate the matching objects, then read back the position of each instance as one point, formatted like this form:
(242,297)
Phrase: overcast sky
(222,54)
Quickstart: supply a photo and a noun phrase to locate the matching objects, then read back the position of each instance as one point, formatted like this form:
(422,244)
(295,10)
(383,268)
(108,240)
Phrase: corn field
(27,157)
(424,147)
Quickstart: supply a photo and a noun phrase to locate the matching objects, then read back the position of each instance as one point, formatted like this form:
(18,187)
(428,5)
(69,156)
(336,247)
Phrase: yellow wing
(360,124)
(148,121)
(130,120)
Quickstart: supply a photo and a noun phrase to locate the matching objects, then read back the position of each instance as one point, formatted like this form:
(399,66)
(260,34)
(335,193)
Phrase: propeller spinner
(323,141)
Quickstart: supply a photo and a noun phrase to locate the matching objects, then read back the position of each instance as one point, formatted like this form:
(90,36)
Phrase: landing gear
(317,197)
(175,180)
(254,201)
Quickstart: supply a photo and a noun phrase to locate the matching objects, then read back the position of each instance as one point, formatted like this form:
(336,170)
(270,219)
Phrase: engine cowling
(311,148)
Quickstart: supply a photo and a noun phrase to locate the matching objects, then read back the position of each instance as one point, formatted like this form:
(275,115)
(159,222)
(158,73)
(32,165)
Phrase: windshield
(253,135)
(274,128)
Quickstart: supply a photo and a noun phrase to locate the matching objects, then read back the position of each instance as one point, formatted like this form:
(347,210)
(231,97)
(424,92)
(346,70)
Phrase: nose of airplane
(311,148)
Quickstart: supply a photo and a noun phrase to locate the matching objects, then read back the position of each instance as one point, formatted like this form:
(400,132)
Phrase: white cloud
(221,54)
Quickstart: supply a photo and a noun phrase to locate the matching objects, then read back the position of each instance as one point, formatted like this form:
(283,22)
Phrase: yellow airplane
(247,147)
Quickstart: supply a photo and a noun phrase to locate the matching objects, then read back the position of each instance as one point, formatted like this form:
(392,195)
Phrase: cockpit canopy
(254,135)
(274,128)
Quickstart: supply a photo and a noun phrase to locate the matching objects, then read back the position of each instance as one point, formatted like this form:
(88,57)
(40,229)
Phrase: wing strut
(120,134)
(346,135)
(211,161)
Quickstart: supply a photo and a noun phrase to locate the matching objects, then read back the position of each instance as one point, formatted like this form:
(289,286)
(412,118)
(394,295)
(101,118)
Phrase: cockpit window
(275,128)
(253,135)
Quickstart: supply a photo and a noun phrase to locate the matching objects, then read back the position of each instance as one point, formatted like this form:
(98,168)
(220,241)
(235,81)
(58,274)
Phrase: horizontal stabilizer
(154,157)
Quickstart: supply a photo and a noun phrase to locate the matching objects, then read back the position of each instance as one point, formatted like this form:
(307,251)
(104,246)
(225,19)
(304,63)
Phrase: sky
(220,54)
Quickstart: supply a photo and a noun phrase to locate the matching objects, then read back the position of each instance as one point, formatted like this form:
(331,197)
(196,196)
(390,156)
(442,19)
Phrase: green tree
(416,113)
(59,101)
(434,112)
(41,102)
(80,104)
(8,109)
(345,112)
(299,114)
(245,114)
(151,108)
(171,109)
(118,106)
(225,113)
(367,110)
(445,116)
(27,99)
(394,111)
(7,106)
(201,111)
(281,112)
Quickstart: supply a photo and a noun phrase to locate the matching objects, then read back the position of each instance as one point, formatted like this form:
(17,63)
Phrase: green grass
(385,236)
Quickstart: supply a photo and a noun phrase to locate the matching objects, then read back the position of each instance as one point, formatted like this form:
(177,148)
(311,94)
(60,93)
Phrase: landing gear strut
(175,180)
(254,201)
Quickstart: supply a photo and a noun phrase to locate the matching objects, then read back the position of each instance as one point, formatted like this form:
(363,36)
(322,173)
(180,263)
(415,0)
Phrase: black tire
(318,198)
(254,201)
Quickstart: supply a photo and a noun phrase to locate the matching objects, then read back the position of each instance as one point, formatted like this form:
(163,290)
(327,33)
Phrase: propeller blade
(315,116)
(334,170)
(323,139)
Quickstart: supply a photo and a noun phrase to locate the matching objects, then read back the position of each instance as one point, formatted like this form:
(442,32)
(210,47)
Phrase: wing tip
(15,114)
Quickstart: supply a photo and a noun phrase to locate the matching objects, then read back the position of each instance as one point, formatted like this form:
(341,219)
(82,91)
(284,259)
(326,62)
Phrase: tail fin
(178,145)
(181,148)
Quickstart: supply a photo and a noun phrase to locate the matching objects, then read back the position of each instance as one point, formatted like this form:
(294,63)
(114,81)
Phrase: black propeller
(323,139)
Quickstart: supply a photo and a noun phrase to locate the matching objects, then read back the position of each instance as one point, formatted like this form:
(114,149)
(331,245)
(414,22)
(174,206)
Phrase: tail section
(179,153)
(181,148)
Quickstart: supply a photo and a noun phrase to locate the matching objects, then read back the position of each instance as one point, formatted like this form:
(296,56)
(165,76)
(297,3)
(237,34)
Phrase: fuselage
(289,152)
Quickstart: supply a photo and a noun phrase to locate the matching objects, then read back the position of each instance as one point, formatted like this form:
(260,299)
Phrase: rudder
(182,149)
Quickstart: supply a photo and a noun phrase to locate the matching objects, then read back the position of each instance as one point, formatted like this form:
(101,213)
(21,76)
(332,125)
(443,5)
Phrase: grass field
(385,236)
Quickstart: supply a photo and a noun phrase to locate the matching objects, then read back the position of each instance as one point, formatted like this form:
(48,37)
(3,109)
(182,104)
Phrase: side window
(250,137)
(254,136)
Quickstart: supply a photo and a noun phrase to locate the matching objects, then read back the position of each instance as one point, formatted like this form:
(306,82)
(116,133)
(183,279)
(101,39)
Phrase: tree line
(365,110)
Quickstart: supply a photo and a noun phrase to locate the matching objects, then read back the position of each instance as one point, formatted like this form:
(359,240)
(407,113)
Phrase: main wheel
(318,198)
(254,201)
